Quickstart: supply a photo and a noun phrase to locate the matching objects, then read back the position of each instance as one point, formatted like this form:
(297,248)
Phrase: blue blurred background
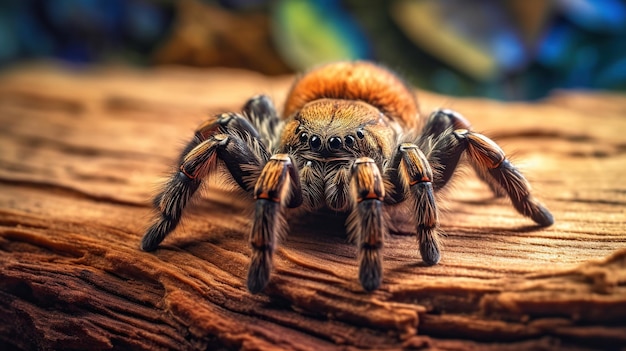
(510,50)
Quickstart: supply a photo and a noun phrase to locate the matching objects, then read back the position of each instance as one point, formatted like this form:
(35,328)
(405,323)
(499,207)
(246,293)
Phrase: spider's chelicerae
(350,139)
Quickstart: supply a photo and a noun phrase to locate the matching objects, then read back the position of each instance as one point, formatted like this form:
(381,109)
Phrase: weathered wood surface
(82,153)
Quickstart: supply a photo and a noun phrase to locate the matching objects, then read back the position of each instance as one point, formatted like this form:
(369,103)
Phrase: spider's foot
(541,215)
(430,254)
(259,272)
(371,269)
(148,243)
(156,233)
(429,248)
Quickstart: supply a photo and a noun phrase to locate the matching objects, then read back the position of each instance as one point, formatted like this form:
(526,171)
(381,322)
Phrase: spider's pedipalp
(277,187)
(367,222)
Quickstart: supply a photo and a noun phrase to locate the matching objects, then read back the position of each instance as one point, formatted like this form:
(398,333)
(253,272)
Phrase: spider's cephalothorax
(350,139)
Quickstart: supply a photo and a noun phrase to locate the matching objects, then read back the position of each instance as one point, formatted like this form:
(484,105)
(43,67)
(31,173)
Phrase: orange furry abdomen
(358,80)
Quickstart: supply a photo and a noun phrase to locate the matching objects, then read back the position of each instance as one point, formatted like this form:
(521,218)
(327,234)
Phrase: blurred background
(502,49)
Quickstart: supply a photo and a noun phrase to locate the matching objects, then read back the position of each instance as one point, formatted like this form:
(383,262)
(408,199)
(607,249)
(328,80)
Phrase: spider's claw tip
(542,216)
(156,233)
(259,273)
(147,244)
(145,247)
(371,272)
(257,281)
(430,253)
(255,286)
(370,284)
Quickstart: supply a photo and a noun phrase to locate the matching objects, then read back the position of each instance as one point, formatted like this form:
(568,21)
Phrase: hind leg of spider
(412,177)
(366,222)
(242,156)
(260,111)
(278,187)
(486,156)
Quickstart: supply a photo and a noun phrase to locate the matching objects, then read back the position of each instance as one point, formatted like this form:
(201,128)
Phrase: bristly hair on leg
(427,219)
(269,226)
(367,221)
(277,188)
(170,204)
(367,229)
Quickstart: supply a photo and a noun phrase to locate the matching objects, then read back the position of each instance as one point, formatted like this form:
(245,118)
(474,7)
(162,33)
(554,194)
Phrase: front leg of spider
(278,187)
(227,137)
(366,224)
(412,177)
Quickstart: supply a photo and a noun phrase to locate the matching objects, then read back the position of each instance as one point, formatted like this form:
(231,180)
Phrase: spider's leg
(366,222)
(222,123)
(179,189)
(412,177)
(487,156)
(277,187)
(434,137)
(229,138)
(441,123)
(260,111)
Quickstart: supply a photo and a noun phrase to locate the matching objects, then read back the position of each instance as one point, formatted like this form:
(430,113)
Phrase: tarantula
(351,140)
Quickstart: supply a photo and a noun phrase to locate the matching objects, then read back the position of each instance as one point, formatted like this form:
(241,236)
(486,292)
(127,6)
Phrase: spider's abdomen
(358,80)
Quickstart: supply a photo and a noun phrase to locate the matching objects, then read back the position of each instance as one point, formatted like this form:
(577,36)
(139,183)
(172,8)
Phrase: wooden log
(83,152)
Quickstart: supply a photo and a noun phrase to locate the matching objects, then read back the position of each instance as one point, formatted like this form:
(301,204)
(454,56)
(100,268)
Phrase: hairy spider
(351,140)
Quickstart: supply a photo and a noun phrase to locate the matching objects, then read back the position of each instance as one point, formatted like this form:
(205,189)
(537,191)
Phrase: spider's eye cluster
(333,143)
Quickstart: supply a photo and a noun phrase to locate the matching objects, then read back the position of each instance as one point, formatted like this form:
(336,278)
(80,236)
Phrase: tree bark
(82,154)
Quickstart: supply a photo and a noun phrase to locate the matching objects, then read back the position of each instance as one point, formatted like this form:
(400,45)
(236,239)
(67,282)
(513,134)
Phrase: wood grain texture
(83,152)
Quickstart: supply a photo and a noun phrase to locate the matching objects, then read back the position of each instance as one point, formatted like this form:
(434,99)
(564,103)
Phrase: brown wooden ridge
(81,154)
